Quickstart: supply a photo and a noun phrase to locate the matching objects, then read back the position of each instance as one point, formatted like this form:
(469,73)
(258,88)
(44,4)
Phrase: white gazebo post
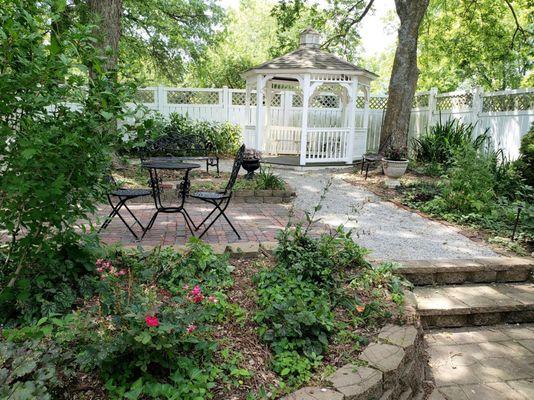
(353,93)
(259,113)
(366,98)
(304,127)
(267,110)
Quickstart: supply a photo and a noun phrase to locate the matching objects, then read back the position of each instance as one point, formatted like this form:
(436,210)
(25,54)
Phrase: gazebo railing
(283,140)
(327,145)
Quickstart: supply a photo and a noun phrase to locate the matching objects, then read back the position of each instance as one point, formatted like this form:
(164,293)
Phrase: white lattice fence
(508,114)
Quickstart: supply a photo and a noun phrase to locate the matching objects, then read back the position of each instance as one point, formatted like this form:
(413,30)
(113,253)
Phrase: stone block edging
(263,196)
(239,196)
(390,368)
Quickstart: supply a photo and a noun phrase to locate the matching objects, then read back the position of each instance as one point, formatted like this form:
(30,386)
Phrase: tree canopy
(462,43)
(485,43)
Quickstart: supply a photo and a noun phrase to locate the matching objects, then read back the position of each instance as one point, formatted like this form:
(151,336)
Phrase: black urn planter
(250,166)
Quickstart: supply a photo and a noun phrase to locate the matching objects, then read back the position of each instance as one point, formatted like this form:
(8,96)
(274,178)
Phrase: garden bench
(182,148)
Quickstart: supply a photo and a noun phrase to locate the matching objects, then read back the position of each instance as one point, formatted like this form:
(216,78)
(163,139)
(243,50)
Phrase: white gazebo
(306,104)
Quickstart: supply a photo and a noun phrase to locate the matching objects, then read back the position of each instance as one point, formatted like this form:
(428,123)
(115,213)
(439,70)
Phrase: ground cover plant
(147,331)
(477,187)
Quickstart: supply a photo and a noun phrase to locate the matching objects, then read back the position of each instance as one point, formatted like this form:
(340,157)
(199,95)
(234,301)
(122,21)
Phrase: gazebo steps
(458,271)
(478,304)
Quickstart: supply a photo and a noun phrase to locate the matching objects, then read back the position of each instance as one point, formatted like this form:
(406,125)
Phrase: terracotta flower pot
(394,170)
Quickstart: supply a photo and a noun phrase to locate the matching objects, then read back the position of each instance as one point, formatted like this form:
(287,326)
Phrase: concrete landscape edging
(390,368)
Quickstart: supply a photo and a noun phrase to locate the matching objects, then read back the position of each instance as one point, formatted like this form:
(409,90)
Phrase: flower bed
(199,325)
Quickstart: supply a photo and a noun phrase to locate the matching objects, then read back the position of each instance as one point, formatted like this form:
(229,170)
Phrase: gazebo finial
(310,38)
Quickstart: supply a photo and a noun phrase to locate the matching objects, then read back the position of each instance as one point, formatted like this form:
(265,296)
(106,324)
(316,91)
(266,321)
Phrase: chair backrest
(177,146)
(235,169)
(110,180)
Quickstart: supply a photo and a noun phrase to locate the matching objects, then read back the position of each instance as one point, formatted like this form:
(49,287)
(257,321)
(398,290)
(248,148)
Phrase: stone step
(457,271)
(476,304)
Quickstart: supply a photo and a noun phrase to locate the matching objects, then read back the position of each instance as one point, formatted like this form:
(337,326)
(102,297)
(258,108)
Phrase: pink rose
(196,290)
(191,328)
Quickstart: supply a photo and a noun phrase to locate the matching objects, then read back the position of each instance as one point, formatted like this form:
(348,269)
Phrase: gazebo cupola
(306,104)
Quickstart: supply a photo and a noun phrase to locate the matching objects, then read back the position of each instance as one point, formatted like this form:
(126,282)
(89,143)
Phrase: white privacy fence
(508,114)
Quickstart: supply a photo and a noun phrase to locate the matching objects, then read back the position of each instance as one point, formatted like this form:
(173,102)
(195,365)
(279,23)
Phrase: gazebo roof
(311,58)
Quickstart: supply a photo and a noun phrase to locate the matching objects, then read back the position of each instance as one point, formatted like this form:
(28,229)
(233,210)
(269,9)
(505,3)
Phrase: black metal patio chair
(220,200)
(117,199)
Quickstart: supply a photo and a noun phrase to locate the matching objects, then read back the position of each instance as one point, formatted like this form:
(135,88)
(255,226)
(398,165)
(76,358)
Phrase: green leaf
(24,368)
(28,153)
(107,115)
(144,337)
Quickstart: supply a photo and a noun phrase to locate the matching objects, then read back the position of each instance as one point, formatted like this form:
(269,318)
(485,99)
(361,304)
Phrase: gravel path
(389,231)
(392,233)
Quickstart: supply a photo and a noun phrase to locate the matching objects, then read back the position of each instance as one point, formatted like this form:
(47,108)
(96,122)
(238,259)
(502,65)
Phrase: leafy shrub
(224,136)
(60,274)
(526,160)
(439,145)
(267,180)
(321,261)
(297,297)
(52,156)
(480,189)
(469,185)
(153,315)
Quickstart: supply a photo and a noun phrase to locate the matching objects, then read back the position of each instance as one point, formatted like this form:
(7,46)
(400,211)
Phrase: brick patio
(254,222)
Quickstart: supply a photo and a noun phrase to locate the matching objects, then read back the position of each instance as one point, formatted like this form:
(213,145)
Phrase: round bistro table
(153,167)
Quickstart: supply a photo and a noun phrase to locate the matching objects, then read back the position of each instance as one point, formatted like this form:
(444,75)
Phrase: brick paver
(488,363)
(254,222)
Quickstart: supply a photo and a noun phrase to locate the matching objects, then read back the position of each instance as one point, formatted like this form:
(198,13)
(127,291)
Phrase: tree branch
(518,27)
(353,21)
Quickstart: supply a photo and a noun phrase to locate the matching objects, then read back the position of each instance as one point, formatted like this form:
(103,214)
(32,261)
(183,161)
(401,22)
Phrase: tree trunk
(106,15)
(404,75)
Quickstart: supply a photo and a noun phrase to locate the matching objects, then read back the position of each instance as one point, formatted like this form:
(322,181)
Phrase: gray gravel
(389,231)
(392,233)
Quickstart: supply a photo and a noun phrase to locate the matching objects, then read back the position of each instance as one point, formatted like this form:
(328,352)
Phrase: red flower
(152,320)
(191,328)
(198,298)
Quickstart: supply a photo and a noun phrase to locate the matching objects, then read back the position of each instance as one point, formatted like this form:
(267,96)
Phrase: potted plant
(394,163)
(251,162)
